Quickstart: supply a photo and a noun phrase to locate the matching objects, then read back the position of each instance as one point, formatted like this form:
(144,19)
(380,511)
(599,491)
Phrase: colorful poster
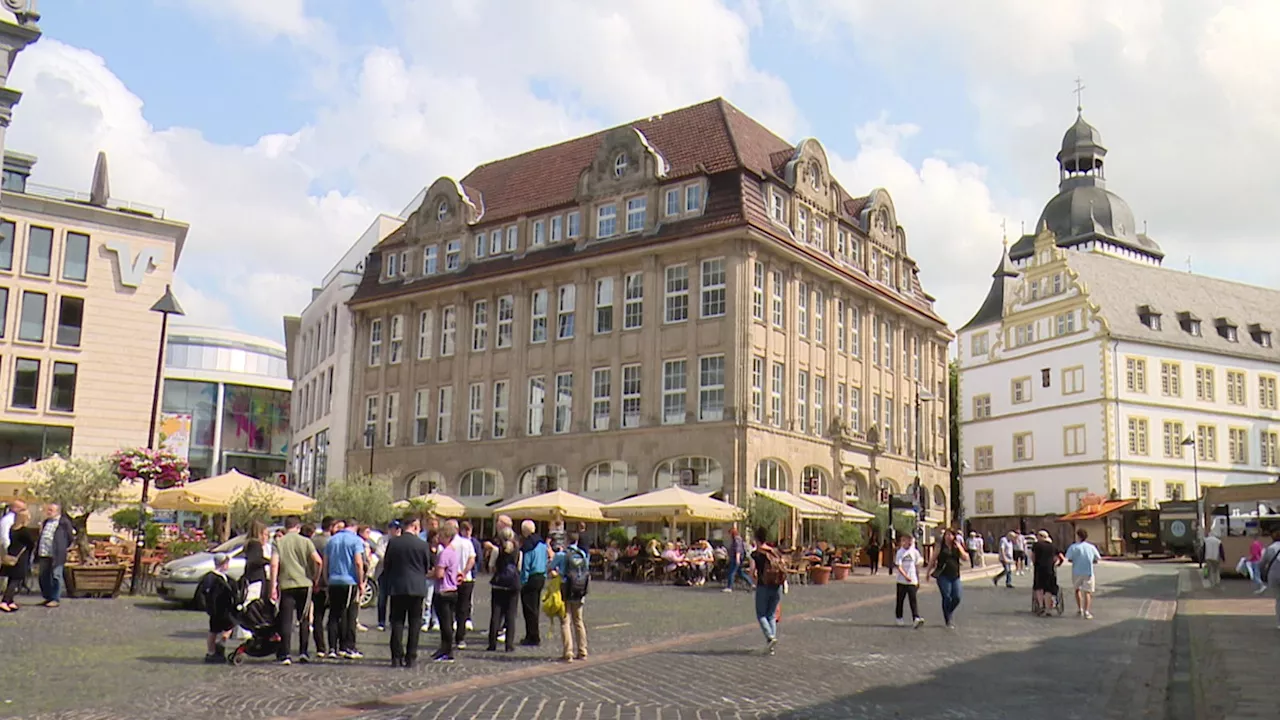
(175,434)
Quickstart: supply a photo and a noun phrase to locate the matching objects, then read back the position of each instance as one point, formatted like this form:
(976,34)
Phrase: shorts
(1046,581)
(1083,583)
(1019,556)
(221,623)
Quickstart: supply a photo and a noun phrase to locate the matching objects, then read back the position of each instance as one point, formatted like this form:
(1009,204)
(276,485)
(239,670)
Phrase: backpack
(576,577)
(775,571)
(1266,569)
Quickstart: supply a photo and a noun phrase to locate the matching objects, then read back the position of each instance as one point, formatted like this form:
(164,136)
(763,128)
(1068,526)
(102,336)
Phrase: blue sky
(279,130)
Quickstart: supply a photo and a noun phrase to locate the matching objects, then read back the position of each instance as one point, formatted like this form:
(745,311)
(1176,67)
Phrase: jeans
(1215,572)
(344,603)
(502,616)
(767,599)
(1006,572)
(382,604)
(907,592)
(531,601)
(465,591)
(429,605)
(405,610)
(446,608)
(293,608)
(736,570)
(1255,574)
(949,588)
(51,582)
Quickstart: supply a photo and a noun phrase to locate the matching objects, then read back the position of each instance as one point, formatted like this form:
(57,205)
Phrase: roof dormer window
(442,211)
(1189,323)
(391,262)
(1227,330)
(1150,317)
(620,165)
(1260,335)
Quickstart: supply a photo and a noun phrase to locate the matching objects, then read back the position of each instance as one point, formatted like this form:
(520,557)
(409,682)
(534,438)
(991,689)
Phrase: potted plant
(83,486)
(162,468)
(819,574)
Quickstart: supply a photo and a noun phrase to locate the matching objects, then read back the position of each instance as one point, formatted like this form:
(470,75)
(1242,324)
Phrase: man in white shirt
(1006,560)
(1213,558)
(466,582)
(906,566)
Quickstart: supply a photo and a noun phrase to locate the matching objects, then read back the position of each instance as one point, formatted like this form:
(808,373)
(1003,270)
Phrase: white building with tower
(1092,369)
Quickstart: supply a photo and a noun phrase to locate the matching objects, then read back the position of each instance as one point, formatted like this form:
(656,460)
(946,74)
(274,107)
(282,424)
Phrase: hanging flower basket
(161,467)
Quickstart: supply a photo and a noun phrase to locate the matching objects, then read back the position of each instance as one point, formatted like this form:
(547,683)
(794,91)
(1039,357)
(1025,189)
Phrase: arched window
(939,498)
(480,482)
(890,485)
(692,471)
(609,478)
(620,165)
(771,475)
(443,210)
(814,481)
(542,478)
(423,483)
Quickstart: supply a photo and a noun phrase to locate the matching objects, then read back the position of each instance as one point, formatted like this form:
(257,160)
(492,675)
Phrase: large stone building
(1092,370)
(683,299)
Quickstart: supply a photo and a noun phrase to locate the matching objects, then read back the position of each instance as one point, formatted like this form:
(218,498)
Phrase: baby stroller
(259,618)
(1059,606)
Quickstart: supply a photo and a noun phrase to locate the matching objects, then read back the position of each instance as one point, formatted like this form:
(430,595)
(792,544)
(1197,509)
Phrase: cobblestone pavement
(1230,637)
(656,652)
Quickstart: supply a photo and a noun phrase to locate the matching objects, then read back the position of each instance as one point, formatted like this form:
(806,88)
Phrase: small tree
(367,498)
(253,504)
(419,508)
(81,486)
(840,534)
(764,512)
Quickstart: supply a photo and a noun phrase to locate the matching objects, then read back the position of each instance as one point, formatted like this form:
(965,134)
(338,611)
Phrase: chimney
(101,189)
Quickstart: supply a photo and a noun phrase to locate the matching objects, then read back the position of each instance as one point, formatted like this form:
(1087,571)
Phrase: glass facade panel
(20,442)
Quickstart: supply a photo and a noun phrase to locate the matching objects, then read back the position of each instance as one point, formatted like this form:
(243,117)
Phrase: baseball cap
(220,559)
(396,525)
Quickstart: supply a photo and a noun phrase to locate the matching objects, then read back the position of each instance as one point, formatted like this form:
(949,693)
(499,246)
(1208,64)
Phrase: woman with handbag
(946,571)
(16,561)
(505,593)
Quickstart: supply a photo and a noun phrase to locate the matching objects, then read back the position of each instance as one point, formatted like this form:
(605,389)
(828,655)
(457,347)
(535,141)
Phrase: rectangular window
(70,321)
(537,405)
(802,309)
(75,257)
(7,233)
(915,357)
(397,339)
(819,317)
(633,302)
(757,291)
(1173,439)
(506,321)
(820,233)
(711,388)
(675,384)
(604,306)
(370,421)
(40,251)
(1073,440)
(1174,490)
(501,408)
(1207,443)
(495,242)
(981,406)
(693,198)
(564,402)
(557,228)
(429,260)
(607,221)
(841,391)
(984,501)
(513,238)
(1024,503)
(757,389)
(601,395)
(1236,393)
(538,316)
(452,255)
(1072,380)
(1238,445)
(673,202)
(855,332)
(888,437)
(842,344)
(4,311)
(676,294)
(855,409)
(448,331)
(776,404)
(819,405)
(779,300)
(1269,448)
(776,207)
(565,307)
(875,343)
(1141,489)
(1021,390)
(1135,375)
(631,396)
(1138,437)
(444,414)
(62,394)
(802,224)
(573,225)
(1266,383)
(713,288)
(426,329)
(481,246)
(421,416)
(480,325)
(475,415)
(635,214)
(1204,383)
(539,233)
(389,429)
(886,333)
(983,458)
(802,401)
(31,322)
(1022,449)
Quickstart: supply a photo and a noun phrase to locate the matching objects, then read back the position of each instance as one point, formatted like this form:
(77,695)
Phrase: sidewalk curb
(1184,700)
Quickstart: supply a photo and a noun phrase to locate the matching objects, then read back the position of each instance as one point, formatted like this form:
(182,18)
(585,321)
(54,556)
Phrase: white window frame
(392,425)
(777,392)
(855,331)
(501,409)
(604,306)
(779,295)
(693,198)
(632,382)
(601,397)
(495,242)
(557,229)
(430,260)
(711,383)
(506,322)
(675,391)
(444,414)
(607,220)
(538,317)
(371,417)
(637,210)
(475,411)
(672,203)
(758,274)
(842,342)
(513,238)
(675,294)
(564,403)
(713,282)
(573,225)
(480,326)
(802,401)
(801,232)
(375,342)
(855,409)
(566,315)
(777,208)
(396,353)
(421,416)
(448,331)
(391,262)
(452,255)
(819,404)
(757,388)
(536,409)
(539,233)
(819,317)
(802,309)
(481,246)
(633,302)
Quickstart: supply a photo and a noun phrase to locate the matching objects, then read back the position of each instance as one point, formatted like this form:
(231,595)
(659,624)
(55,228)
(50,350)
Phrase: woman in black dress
(256,561)
(22,546)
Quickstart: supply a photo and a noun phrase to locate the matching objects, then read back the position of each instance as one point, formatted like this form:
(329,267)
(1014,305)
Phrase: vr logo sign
(131,269)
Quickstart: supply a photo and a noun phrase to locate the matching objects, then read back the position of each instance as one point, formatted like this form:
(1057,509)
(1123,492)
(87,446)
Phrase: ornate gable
(447,209)
(809,175)
(625,161)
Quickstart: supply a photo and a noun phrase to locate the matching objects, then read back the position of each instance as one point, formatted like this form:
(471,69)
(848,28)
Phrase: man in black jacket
(404,574)
(56,535)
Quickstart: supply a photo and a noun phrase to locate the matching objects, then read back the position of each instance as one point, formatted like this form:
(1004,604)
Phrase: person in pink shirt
(447,573)
(1256,549)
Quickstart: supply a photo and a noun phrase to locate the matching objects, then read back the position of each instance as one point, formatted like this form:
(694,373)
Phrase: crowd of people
(27,546)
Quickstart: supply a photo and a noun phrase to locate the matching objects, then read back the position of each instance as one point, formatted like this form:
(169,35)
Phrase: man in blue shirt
(533,576)
(1083,556)
(344,566)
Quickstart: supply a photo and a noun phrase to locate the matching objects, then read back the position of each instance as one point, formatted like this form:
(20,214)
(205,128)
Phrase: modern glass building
(226,402)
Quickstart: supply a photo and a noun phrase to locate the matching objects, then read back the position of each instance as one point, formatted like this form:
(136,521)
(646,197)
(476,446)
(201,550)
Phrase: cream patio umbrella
(15,481)
(674,504)
(554,506)
(215,494)
(444,505)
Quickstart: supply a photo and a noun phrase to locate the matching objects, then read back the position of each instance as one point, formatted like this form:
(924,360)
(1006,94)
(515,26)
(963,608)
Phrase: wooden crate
(94,580)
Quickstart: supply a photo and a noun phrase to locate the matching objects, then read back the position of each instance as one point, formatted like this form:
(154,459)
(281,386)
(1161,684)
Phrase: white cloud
(269,19)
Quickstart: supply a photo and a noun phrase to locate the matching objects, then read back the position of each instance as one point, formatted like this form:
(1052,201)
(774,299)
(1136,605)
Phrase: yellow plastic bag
(552,603)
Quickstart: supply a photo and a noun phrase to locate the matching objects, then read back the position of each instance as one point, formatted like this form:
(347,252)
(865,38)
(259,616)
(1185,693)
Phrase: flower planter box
(819,574)
(840,571)
(94,580)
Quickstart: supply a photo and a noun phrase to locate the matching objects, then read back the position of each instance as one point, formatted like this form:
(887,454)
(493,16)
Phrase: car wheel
(369,593)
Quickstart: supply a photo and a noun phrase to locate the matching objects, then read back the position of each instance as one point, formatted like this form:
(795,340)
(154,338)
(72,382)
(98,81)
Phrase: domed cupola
(1081,157)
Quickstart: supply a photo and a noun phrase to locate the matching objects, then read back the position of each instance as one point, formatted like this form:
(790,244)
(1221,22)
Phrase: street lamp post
(1190,441)
(167,305)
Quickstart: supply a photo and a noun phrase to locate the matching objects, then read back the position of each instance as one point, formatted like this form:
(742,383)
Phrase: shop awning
(673,503)
(215,495)
(847,512)
(554,505)
(442,505)
(807,508)
(1094,512)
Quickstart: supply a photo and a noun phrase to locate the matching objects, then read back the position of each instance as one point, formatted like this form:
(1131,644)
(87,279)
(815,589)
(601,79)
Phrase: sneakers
(901,622)
(426,627)
(770,648)
(917,623)
(284,661)
(215,659)
(1088,616)
(361,627)
(727,590)
(460,646)
(382,628)
(951,626)
(470,627)
(333,655)
(304,659)
(442,658)
(1080,612)
(352,655)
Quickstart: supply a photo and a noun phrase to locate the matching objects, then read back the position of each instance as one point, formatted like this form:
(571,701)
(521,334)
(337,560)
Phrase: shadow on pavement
(171,660)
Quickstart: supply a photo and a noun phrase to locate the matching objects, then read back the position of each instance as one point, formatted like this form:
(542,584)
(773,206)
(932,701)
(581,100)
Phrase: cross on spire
(1079,96)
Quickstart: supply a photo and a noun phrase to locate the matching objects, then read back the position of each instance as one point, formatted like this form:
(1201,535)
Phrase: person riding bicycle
(1045,559)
